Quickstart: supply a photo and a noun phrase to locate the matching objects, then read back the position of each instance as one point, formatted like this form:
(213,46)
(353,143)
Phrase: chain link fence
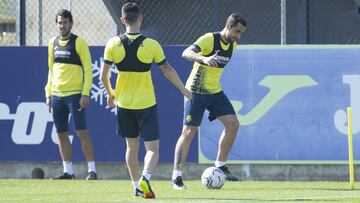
(32,22)
(182,22)
(7,23)
(168,21)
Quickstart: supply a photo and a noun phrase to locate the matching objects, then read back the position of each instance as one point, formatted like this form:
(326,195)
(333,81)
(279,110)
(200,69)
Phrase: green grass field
(121,191)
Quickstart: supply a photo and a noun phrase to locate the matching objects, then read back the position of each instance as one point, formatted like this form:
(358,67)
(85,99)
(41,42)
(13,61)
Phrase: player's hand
(187,94)
(84,102)
(48,103)
(111,99)
(211,60)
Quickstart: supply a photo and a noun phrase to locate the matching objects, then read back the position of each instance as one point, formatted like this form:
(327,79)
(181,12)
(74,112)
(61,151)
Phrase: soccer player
(134,95)
(67,91)
(210,53)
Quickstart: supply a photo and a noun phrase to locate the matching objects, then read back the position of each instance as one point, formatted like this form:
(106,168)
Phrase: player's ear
(140,18)
(122,20)
(228,26)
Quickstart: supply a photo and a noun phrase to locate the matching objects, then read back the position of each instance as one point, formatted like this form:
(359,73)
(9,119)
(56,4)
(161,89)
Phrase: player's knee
(153,149)
(152,146)
(132,148)
(189,132)
(63,137)
(236,124)
(233,125)
(155,152)
(82,133)
(63,134)
(84,136)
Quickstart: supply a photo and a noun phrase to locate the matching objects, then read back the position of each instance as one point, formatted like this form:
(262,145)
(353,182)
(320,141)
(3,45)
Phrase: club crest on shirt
(188,118)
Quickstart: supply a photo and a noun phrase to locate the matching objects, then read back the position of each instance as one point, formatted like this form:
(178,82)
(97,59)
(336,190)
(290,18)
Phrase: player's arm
(165,67)
(173,77)
(104,75)
(84,53)
(201,47)
(49,80)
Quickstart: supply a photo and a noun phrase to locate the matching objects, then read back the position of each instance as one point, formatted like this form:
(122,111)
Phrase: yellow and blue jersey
(133,55)
(205,79)
(70,67)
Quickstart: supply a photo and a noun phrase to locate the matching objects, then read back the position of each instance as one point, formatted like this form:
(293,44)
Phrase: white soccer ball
(213,178)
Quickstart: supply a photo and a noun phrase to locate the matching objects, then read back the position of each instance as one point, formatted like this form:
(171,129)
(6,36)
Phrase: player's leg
(226,141)
(132,162)
(182,146)
(128,128)
(61,118)
(228,135)
(88,151)
(181,152)
(193,113)
(150,161)
(86,145)
(79,118)
(65,149)
(148,122)
(222,109)
(152,156)
(131,157)
(65,146)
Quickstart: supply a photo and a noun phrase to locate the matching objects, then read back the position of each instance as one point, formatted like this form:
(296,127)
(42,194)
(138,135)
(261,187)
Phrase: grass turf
(25,190)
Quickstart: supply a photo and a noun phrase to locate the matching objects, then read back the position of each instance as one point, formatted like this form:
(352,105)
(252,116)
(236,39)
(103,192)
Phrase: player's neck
(133,29)
(65,37)
(223,36)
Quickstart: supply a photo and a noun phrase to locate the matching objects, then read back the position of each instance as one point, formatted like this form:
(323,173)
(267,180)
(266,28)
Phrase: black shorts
(62,107)
(144,122)
(217,104)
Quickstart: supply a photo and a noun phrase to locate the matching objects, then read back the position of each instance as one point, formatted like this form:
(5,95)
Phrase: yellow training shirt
(133,55)
(205,79)
(70,67)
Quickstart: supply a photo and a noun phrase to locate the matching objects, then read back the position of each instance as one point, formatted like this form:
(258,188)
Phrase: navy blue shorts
(144,122)
(217,104)
(62,107)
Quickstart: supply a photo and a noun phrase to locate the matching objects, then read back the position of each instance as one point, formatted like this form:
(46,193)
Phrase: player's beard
(65,35)
(229,39)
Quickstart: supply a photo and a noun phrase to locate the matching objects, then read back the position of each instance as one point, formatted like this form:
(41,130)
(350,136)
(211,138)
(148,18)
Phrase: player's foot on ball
(146,188)
(178,184)
(65,176)
(138,193)
(92,176)
(228,174)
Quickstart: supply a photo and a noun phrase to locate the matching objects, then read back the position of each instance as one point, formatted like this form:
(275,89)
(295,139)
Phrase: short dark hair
(65,14)
(131,12)
(236,18)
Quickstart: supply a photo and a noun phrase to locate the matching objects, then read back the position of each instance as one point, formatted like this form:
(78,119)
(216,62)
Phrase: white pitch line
(313,198)
(218,200)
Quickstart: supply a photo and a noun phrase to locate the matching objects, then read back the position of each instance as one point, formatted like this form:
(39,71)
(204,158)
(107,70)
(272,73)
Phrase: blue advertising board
(290,100)
(27,132)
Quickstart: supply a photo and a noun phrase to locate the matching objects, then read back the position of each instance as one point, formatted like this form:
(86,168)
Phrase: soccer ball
(213,178)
